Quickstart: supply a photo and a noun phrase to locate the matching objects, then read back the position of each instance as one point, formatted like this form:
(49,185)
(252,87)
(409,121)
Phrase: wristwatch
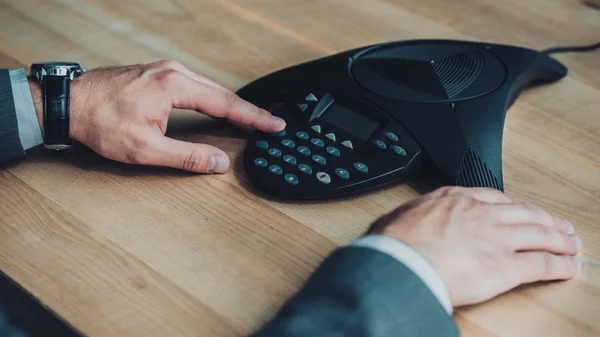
(55,79)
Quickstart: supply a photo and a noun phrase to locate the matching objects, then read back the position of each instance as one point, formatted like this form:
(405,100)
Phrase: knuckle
(196,161)
(170,64)
(465,204)
(449,190)
(166,76)
(548,265)
(231,99)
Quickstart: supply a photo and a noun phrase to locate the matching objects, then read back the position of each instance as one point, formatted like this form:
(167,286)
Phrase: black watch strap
(56,94)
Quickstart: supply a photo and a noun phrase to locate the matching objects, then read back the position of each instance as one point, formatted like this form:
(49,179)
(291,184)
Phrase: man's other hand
(481,243)
(122,113)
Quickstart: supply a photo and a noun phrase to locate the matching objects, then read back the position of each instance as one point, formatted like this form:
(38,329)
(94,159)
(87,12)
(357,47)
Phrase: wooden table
(120,250)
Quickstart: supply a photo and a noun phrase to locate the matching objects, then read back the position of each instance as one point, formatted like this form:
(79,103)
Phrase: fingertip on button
(279,122)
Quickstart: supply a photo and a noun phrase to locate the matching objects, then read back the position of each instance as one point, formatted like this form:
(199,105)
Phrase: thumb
(192,157)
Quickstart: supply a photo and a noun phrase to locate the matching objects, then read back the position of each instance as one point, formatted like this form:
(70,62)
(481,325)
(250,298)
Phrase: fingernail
(278,120)
(568,226)
(577,262)
(218,164)
(577,241)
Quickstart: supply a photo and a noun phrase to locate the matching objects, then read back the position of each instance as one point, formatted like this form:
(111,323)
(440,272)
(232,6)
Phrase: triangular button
(316,128)
(348,144)
(302,107)
(311,98)
(330,136)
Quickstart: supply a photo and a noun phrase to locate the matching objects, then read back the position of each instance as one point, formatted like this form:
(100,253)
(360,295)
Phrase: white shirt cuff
(27,122)
(406,255)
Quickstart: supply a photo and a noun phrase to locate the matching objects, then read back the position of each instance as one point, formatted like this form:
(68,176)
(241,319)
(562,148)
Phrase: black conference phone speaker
(369,117)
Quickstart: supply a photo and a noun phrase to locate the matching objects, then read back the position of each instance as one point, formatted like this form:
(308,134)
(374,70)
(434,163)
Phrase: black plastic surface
(445,100)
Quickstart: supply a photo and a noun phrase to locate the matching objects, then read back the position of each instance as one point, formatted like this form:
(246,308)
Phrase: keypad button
(361,167)
(303,150)
(262,144)
(275,152)
(302,107)
(302,135)
(399,150)
(340,172)
(281,133)
(330,136)
(291,178)
(348,144)
(311,98)
(391,136)
(380,144)
(316,128)
(323,178)
(317,158)
(317,142)
(276,169)
(288,158)
(260,162)
(334,151)
(288,143)
(304,168)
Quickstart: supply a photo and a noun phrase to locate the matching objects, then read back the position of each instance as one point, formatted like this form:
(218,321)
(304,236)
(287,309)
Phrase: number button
(319,159)
(260,162)
(288,143)
(288,158)
(280,133)
(305,169)
(380,144)
(291,178)
(340,172)
(334,151)
(262,144)
(276,169)
(399,150)
(303,150)
(302,135)
(323,178)
(275,152)
(317,142)
(391,136)
(361,167)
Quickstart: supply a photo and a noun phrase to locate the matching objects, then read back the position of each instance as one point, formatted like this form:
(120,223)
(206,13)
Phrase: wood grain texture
(122,250)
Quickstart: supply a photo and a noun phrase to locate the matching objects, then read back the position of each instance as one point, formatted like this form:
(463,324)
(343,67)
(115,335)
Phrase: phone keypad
(329,150)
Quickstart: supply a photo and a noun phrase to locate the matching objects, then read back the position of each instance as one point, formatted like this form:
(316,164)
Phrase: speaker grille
(457,72)
(474,173)
(444,77)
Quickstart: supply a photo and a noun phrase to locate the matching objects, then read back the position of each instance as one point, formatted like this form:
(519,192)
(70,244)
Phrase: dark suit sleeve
(10,143)
(362,292)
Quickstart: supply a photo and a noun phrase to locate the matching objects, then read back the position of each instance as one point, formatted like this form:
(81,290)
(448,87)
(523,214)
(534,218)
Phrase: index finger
(221,103)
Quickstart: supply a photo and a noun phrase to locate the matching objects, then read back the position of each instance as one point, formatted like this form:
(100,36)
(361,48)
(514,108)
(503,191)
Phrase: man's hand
(122,114)
(481,243)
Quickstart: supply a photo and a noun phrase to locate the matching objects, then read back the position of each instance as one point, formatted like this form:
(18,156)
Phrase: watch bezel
(56,68)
